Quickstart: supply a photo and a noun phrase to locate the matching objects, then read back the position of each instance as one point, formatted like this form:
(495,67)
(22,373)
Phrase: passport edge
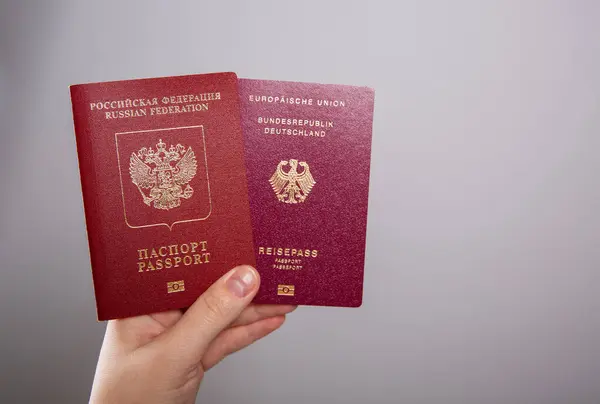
(349,86)
(148,78)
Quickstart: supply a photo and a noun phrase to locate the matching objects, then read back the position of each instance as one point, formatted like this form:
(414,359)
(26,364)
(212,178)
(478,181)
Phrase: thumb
(212,312)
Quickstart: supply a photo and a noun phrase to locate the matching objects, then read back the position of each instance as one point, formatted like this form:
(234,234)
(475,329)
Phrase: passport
(163,179)
(308,156)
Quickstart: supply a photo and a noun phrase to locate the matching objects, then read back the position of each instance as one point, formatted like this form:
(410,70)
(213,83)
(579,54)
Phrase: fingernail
(242,281)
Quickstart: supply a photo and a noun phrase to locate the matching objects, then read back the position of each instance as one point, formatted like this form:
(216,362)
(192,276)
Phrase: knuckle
(216,307)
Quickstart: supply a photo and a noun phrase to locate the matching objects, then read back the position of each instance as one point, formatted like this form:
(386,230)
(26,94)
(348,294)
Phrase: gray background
(483,272)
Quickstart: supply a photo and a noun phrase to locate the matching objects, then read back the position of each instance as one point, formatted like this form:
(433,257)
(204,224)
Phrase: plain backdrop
(482,280)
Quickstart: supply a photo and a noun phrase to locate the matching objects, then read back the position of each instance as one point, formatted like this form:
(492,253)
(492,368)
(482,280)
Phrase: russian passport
(308,154)
(186,177)
(164,187)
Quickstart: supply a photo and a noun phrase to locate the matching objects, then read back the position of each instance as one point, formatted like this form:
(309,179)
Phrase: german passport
(308,153)
(164,187)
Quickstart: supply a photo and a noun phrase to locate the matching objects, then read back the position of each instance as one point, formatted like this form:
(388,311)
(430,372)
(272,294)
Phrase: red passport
(164,188)
(308,152)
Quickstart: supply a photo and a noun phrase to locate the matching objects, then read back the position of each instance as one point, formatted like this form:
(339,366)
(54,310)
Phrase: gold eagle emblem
(292,186)
(166,173)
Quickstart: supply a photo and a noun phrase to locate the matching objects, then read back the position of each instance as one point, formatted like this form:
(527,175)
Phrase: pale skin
(162,357)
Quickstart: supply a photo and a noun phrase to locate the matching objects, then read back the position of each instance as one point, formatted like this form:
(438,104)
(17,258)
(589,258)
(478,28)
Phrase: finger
(134,332)
(256,312)
(167,318)
(236,338)
(210,314)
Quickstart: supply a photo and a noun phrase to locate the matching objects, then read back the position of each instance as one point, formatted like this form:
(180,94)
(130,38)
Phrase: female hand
(162,357)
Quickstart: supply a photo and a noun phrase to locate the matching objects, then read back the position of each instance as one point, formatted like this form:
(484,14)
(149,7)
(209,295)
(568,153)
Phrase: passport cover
(162,170)
(308,153)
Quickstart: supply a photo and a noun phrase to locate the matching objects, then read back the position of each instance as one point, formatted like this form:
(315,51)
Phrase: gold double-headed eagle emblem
(165,172)
(292,186)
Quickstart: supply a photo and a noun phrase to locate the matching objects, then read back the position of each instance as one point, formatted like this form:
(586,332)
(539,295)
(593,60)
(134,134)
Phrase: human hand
(162,357)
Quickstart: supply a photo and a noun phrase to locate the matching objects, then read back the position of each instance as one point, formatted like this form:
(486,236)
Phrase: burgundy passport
(308,152)
(164,188)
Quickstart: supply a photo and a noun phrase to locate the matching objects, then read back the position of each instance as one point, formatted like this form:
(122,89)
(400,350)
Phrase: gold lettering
(287,251)
(173,256)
